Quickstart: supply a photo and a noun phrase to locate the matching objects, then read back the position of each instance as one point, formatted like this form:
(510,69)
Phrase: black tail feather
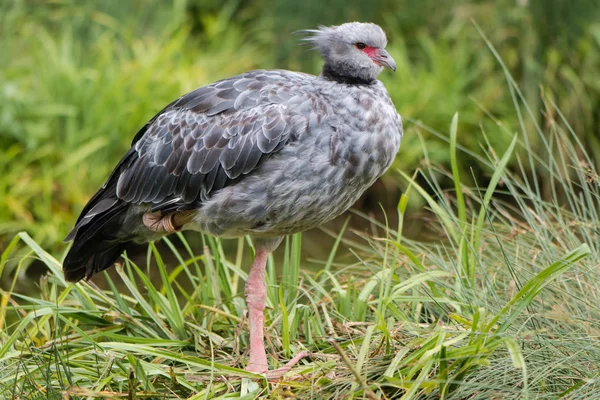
(99,235)
(89,261)
(99,240)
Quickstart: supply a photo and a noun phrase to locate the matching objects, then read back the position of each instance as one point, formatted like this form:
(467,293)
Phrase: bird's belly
(272,210)
(297,189)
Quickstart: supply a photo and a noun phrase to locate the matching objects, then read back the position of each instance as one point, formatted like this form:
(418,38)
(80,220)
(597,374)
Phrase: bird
(266,153)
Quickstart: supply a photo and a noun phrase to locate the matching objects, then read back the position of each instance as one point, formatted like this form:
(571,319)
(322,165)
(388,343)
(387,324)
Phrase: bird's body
(266,153)
(328,155)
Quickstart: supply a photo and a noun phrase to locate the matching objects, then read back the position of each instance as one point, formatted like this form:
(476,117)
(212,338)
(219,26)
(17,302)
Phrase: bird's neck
(331,74)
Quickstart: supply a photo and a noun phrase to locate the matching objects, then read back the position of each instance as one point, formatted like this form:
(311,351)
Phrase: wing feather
(212,137)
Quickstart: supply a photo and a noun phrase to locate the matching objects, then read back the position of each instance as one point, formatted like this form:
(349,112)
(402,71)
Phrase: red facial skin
(371,51)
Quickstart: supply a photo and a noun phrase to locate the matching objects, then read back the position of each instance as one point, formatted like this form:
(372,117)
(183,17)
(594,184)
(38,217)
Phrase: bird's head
(353,50)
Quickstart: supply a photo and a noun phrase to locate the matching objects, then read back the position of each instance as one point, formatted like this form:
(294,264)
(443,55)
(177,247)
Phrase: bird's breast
(365,138)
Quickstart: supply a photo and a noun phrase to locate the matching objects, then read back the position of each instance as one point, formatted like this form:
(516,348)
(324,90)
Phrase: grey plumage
(265,153)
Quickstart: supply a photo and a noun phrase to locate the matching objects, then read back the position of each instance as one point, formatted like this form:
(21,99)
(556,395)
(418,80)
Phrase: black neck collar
(332,75)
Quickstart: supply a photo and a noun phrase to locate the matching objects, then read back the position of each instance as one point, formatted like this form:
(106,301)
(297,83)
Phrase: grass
(503,305)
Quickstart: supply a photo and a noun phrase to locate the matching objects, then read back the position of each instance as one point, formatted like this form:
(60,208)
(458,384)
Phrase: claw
(278,373)
(160,223)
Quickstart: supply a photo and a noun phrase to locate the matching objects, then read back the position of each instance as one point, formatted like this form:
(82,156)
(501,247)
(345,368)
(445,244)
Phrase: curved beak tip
(385,60)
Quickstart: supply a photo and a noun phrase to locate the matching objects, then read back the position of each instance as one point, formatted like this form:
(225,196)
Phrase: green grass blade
(532,288)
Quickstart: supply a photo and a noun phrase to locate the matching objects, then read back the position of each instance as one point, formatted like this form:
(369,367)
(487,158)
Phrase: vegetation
(499,301)
(505,305)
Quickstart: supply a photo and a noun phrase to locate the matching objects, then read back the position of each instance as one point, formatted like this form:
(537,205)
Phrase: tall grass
(503,304)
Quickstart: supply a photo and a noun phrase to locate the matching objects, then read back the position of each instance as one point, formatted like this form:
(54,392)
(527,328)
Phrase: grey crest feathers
(350,33)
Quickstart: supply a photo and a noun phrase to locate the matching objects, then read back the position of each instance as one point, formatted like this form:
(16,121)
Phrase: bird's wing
(211,137)
(198,144)
(204,141)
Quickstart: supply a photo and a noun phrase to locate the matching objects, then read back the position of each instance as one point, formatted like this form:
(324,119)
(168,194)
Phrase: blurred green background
(79,78)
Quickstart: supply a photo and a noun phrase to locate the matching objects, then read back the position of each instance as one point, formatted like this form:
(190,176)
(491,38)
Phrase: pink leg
(256,296)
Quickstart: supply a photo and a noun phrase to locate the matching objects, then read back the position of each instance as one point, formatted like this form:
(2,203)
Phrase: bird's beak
(384,59)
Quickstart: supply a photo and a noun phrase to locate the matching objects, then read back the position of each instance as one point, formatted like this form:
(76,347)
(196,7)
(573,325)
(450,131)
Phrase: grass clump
(502,304)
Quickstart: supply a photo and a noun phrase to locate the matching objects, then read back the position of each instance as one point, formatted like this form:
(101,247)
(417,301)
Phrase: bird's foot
(278,373)
(157,222)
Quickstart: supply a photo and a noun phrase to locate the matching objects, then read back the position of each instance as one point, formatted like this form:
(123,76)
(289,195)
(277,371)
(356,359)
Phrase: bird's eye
(360,46)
